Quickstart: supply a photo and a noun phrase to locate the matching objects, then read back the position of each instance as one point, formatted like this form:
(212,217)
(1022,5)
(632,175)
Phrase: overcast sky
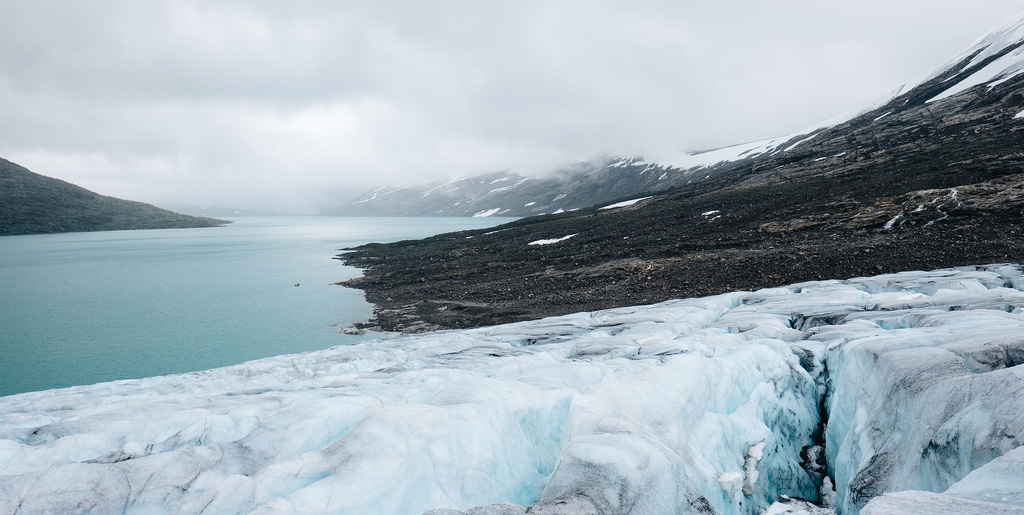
(287,105)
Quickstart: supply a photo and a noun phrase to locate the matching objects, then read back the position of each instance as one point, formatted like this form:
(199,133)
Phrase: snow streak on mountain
(511,194)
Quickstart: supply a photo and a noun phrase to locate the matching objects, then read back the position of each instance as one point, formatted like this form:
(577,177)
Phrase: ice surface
(797,507)
(924,393)
(699,405)
(913,502)
(1000,480)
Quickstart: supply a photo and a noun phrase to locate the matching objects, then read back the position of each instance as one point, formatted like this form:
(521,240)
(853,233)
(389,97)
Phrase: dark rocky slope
(31,203)
(912,184)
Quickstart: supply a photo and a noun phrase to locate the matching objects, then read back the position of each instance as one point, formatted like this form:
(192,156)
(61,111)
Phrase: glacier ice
(999,480)
(993,489)
(917,502)
(925,392)
(712,405)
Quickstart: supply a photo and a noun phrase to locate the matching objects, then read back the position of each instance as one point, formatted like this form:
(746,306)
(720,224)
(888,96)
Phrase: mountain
(585,184)
(31,203)
(510,194)
(931,178)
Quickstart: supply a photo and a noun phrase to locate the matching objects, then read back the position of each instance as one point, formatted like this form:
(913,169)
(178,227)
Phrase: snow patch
(998,71)
(487,212)
(375,194)
(551,241)
(506,188)
(624,162)
(804,140)
(625,203)
(731,483)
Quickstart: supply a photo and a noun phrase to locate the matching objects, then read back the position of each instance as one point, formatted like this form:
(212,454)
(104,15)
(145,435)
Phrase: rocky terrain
(932,178)
(31,203)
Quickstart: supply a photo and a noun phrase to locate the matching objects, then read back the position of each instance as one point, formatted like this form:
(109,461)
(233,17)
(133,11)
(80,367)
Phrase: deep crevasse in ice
(926,386)
(700,405)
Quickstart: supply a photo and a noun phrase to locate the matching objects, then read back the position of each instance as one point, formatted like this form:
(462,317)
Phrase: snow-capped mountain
(511,194)
(992,61)
(932,177)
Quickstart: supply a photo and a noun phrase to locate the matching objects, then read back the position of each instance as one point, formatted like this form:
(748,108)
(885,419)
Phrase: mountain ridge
(931,178)
(31,203)
(614,178)
(509,193)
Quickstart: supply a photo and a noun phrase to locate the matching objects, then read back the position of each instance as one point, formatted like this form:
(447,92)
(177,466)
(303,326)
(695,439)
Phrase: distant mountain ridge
(511,194)
(614,178)
(31,203)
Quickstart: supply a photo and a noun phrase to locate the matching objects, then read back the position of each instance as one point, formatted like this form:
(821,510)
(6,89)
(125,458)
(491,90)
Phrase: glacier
(904,390)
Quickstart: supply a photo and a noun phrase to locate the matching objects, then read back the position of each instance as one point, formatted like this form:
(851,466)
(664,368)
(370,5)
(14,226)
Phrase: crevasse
(910,382)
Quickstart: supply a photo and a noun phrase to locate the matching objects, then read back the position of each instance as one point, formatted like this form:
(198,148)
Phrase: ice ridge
(905,382)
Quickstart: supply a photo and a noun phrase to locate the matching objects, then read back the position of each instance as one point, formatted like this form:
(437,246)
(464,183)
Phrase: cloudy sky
(289,106)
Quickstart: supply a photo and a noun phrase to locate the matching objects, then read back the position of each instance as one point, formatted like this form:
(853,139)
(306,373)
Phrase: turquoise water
(82,308)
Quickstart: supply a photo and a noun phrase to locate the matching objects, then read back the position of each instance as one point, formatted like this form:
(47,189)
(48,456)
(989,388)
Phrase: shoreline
(412,291)
(920,188)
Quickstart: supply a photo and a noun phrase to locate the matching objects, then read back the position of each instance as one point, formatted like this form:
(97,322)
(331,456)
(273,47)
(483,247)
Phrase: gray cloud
(285,105)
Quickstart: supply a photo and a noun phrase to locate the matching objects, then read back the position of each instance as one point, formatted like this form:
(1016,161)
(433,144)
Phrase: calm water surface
(82,308)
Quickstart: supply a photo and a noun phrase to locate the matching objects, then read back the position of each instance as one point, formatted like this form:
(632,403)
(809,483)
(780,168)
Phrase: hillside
(31,203)
(932,178)
(511,194)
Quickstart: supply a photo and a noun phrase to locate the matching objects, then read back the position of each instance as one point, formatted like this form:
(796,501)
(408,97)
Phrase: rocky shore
(498,278)
(910,185)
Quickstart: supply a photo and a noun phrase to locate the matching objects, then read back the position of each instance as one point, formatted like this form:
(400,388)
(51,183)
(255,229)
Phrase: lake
(82,308)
